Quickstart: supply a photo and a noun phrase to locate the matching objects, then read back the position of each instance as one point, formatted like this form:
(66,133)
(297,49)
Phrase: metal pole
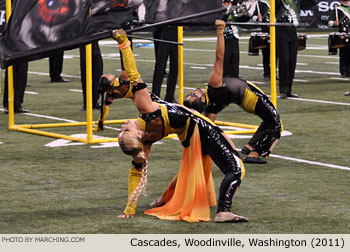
(273,52)
(158,40)
(10,102)
(180,64)
(174,20)
(89,92)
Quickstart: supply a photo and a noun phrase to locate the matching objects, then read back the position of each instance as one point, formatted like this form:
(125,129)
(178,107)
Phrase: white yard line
(298,160)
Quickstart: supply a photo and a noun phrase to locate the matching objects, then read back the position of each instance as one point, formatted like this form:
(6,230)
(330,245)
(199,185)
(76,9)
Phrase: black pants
(20,72)
(287,43)
(56,65)
(231,58)
(97,71)
(269,130)
(344,61)
(165,51)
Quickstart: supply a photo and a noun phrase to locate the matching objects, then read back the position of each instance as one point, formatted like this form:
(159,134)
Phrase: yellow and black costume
(253,100)
(174,118)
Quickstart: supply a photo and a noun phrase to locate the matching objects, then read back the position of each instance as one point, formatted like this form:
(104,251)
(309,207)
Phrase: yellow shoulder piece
(165,116)
(130,94)
(116,83)
(255,86)
(141,123)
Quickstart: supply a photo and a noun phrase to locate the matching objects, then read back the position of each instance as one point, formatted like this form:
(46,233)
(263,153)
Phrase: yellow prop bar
(273,52)
(181,65)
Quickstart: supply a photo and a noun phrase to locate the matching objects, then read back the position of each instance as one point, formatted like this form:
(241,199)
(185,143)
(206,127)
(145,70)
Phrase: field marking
(298,80)
(319,101)
(340,78)
(76,90)
(311,162)
(30,92)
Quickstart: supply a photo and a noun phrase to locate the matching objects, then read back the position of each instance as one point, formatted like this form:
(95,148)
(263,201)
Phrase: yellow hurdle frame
(33,128)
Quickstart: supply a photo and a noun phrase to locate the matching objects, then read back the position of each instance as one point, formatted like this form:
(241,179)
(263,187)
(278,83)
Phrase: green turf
(80,189)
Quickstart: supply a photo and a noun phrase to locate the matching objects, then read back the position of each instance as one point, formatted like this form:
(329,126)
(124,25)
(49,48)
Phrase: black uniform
(56,66)
(164,51)
(288,11)
(264,7)
(344,27)
(20,72)
(97,71)
(182,121)
(252,100)
(231,56)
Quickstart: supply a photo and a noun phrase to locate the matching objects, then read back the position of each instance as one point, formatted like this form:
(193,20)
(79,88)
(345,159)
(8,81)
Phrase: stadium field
(48,185)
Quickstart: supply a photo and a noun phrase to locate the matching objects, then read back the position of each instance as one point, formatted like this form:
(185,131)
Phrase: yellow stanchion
(10,104)
(89,92)
(273,53)
(181,65)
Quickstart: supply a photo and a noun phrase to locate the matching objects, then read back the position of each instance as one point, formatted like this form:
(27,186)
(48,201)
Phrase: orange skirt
(191,193)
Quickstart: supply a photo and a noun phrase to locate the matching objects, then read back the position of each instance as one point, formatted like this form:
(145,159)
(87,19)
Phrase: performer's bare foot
(126,216)
(224,217)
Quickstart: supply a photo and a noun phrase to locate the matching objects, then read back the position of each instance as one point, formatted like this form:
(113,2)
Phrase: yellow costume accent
(128,58)
(133,182)
(191,194)
(249,101)
(105,114)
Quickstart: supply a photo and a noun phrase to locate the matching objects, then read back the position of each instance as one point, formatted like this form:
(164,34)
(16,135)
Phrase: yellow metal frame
(34,128)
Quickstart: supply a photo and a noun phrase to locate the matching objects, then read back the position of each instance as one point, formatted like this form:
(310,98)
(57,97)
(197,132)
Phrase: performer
(158,119)
(231,34)
(56,66)
(223,91)
(288,11)
(262,14)
(341,18)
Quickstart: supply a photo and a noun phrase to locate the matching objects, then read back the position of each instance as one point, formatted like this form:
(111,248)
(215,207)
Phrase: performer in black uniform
(288,11)
(262,14)
(56,66)
(223,91)
(341,18)
(158,119)
(97,71)
(163,52)
(231,58)
(20,73)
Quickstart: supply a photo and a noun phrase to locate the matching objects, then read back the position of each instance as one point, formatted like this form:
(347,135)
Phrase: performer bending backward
(223,91)
(157,120)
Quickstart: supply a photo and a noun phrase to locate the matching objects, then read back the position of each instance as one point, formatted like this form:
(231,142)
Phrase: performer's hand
(220,26)
(336,22)
(126,216)
(120,36)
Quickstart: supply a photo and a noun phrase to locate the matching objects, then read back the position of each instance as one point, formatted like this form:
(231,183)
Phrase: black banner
(38,28)
(318,16)
(161,10)
(112,14)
